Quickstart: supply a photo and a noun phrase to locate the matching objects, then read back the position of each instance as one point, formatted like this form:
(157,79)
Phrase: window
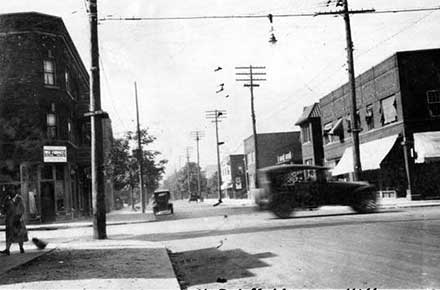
(49,72)
(326,133)
(369,117)
(433,102)
(337,131)
(67,80)
(305,132)
(388,110)
(358,120)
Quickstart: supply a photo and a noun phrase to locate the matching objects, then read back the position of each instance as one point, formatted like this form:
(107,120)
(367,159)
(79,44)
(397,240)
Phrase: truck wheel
(282,206)
(366,205)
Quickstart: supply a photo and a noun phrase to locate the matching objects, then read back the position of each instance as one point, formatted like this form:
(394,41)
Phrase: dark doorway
(47,201)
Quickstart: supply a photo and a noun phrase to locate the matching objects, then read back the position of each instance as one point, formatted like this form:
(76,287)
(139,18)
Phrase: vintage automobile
(193,197)
(294,186)
(161,202)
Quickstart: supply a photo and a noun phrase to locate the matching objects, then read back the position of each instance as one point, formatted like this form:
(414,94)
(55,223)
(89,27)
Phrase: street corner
(91,264)
(16,259)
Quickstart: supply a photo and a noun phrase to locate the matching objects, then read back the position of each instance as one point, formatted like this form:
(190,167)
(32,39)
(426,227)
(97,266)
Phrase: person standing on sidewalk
(13,209)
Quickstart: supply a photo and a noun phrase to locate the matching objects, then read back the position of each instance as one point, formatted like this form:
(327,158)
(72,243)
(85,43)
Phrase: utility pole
(250,82)
(140,157)
(188,171)
(96,115)
(357,168)
(198,135)
(217,116)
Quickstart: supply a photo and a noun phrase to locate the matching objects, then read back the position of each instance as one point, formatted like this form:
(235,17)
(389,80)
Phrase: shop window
(49,72)
(388,109)
(369,117)
(433,98)
(305,133)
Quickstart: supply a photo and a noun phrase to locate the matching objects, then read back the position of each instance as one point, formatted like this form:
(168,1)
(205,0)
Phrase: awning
(427,146)
(337,128)
(371,155)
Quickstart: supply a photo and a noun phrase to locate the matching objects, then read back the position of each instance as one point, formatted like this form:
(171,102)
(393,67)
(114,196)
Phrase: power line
(246,16)
(361,53)
(110,94)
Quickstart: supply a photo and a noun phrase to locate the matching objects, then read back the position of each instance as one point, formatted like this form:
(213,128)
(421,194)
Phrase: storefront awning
(427,146)
(371,155)
(337,128)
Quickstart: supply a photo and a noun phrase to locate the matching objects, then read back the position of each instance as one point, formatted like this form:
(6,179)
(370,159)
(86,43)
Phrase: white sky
(173,62)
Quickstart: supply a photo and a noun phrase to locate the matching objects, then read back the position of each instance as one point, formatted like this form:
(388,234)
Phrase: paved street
(242,247)
(331,247)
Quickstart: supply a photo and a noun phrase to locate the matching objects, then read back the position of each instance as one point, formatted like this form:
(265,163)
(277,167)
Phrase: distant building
(234,179)
(273,148)
(398,111)
(44,136)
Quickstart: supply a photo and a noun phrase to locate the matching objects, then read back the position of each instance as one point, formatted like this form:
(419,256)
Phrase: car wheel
(282,206)
(366,205)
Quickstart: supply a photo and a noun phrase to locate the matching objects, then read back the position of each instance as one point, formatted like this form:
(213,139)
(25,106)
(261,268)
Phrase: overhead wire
(244,16)
(306,85)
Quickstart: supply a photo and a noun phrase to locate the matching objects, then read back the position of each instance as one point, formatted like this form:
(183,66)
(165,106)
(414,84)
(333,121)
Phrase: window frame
(306,134)
(369,119)
(394,104)
(430,102)
(49,74)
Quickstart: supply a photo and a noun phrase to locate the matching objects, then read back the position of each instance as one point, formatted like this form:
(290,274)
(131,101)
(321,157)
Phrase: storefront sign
(55,153)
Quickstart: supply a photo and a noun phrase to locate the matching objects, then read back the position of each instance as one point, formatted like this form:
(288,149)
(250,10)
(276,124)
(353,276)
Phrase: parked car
(293,186)
(162,202)
(193,197)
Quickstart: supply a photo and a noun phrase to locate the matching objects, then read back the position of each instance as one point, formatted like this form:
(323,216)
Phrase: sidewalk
(91,264)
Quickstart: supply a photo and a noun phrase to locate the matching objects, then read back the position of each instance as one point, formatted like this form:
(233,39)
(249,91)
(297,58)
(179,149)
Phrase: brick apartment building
(273,148)
(44,138)
(234,179)
(398,105)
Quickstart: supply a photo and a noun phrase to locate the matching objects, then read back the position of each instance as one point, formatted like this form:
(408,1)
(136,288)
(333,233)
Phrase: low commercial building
(398,112)
(234,179)
(273,148)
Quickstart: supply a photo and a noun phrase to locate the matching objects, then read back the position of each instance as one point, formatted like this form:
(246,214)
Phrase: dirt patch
(72,264)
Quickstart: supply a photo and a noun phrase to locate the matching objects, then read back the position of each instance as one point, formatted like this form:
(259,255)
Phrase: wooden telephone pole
(216,116)
(251,77)
(96,116)
(197,135)
(357,170)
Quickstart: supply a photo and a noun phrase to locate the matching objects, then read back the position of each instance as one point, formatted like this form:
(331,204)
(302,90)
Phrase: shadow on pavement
(206,266)
(83,264)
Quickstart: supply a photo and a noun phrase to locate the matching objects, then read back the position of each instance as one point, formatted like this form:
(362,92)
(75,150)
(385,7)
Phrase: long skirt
(16,230)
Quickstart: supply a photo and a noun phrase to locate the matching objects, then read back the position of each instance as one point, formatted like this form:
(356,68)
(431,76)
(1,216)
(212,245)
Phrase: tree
(178,182)
(124,167)
(212,185)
